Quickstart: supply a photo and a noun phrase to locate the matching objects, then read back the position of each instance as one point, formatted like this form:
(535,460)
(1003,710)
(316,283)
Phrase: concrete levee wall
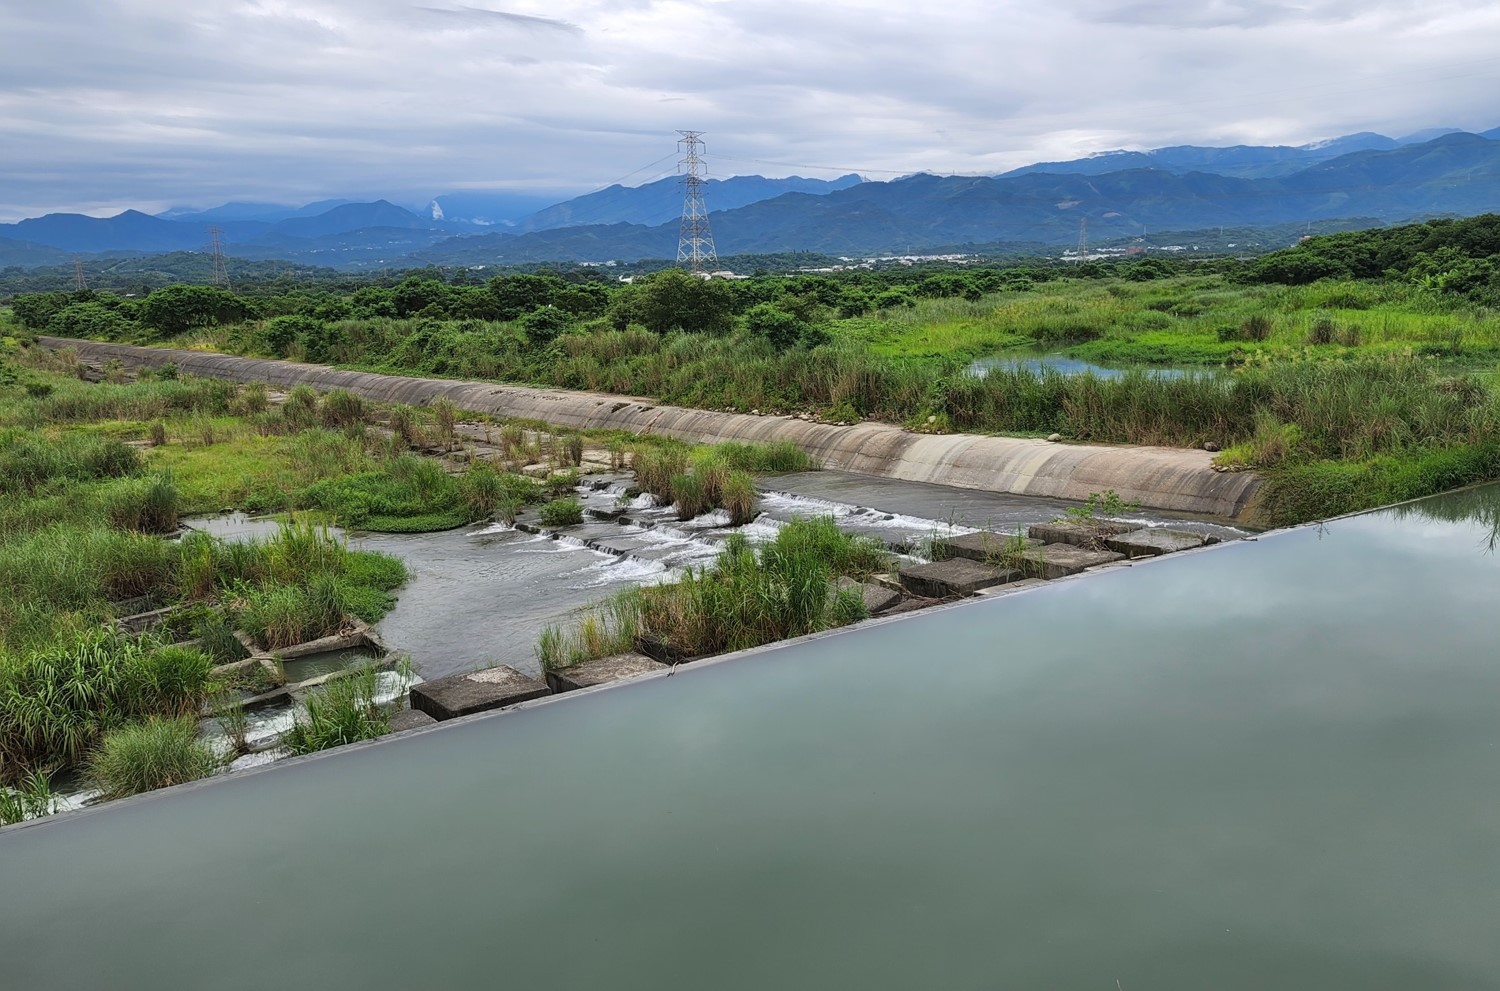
(1172,479)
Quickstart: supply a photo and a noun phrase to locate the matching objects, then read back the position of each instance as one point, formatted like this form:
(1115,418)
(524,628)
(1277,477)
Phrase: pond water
(1063,365)
(1271,764)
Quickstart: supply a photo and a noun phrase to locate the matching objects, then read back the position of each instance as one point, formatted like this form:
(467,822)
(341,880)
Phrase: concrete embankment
(1173,479)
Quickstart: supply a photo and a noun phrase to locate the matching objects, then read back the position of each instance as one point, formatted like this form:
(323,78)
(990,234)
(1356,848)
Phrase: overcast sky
(109,104)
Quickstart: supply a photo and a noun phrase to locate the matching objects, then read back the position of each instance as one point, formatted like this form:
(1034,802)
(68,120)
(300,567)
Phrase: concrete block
(877,598)
(1061,560)
(477,691)
(1080,533)
(410,719)
(958,576)
(1151,541)
(984,546)
(601,672)
(1010,587)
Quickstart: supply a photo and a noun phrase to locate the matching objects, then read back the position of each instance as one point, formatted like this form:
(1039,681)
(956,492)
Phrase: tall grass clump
(688,496)
(343,711)
(300,410)
(29,460)
(562,512)
(746,598)
(30,799)
(739,497)
(284,615)
(655,468)
(342,409)
(155,754)
(56,702)
(145,505)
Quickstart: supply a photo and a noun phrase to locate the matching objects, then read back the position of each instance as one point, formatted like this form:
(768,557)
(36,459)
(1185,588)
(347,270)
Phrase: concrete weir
(1172,479)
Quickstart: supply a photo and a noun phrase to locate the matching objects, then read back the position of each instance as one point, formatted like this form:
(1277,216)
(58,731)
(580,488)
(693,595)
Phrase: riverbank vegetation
(1317,362)
(746,598)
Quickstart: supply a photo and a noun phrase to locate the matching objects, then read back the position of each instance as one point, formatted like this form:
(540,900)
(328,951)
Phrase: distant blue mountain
(1243,161)
(487,209)
(1455,174)
(659,201)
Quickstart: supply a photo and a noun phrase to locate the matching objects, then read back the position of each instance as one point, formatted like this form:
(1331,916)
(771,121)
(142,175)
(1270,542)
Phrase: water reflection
(1063,365)
(1478,507)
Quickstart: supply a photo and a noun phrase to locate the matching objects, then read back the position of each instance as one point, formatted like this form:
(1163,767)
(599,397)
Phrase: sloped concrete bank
(1172,479)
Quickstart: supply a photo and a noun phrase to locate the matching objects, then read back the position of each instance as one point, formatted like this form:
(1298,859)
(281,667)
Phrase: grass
(344,711)
(562,512)
(158,753)
(746,598)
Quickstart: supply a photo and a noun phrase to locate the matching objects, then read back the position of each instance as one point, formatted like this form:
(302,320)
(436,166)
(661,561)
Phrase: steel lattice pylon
(695,242)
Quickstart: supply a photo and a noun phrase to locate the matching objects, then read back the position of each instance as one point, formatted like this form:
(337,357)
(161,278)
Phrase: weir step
(1151,541)
(1060,560)
(601,671)
(958,576)
(1080,533)
(984,546)
(476,691)
(877,598)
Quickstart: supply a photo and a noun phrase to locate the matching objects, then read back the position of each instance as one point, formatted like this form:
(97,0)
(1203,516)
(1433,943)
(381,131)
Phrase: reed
(343,711)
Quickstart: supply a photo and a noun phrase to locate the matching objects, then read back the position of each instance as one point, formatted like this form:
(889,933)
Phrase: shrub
(301,408)
(158,753)
(562,512)
(158,434)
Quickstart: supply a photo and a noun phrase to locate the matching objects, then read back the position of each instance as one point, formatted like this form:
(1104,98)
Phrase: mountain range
(1440,171)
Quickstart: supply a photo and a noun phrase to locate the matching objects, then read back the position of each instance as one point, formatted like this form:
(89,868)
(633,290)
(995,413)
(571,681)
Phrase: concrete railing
(1172,479)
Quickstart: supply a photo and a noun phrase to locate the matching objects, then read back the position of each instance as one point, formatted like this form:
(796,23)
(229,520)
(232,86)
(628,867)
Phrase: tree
(542,325)
(180,308)
(675,298)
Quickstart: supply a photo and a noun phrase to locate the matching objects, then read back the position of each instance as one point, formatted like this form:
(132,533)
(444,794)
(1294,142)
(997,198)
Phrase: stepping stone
(1151,541)
(601,672)
(410,719)
(958,576)
(877,598)
(984,546)
(477,691)
(1013,586)
(1060,560)
(1080,533)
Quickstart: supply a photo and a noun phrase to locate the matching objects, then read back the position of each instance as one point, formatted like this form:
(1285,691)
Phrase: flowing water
(482,595)
(1271,764)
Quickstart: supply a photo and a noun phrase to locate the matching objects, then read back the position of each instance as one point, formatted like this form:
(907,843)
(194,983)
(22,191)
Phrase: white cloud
(106,103)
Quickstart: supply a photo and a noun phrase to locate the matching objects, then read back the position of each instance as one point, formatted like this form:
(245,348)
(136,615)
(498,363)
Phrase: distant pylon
(695,242)
(79,282)
(1083,239)
(221,271)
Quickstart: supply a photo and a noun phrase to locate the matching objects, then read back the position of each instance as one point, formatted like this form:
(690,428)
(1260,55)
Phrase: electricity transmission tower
(216,244)
(695,242)
(1083,239)
(80,283)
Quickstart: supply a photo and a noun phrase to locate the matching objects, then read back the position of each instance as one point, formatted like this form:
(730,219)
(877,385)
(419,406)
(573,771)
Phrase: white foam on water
(621,570)
(496,527)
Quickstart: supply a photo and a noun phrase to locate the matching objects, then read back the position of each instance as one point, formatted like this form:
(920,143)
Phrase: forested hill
(1457,257)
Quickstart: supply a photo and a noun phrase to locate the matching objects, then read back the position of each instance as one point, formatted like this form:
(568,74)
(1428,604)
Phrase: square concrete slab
(601,672)
(984,546)
(1080,533)
(877,598)
(410,719)
(1150,541)
(958,576)
(1061,560)
(477,691)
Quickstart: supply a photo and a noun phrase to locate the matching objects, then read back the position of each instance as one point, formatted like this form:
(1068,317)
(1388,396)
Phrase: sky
(147,104)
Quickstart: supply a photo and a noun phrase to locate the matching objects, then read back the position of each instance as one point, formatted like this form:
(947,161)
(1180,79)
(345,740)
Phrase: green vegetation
(746,598)
(1297,346)
(343,711)
(85,503)
(562,512)
(31,799)
(154,754)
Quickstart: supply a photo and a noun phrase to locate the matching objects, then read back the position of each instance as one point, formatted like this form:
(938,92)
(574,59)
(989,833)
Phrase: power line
(216,245)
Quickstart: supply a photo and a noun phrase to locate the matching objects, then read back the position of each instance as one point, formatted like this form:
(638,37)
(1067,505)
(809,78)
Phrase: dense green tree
(678,299)
(179,308)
